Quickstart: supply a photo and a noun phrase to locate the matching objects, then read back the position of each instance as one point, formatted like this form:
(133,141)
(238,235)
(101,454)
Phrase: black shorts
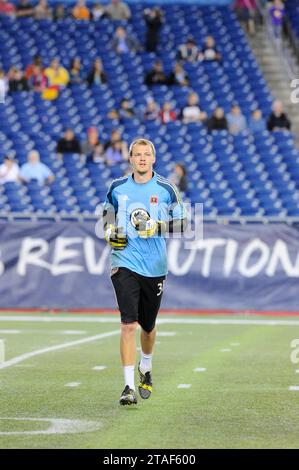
(138,297)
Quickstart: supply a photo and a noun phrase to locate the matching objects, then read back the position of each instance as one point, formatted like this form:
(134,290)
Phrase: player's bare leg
(128,343)
(128,359)
(147,341)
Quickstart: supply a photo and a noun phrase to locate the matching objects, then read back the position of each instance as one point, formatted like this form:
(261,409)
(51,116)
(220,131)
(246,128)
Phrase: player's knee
(148,330)
(129,328)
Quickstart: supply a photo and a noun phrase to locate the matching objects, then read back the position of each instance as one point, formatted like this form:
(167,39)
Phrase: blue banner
(64,265)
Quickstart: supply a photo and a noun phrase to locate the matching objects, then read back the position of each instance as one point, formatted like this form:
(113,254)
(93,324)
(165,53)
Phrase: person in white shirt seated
(35,170)
(192,112)
(9,170)
(209,52)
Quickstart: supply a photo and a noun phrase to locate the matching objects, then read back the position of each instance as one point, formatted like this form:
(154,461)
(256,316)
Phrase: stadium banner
(63,265)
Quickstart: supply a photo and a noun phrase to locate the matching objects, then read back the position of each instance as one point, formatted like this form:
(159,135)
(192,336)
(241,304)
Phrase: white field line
(166,333)
(56,426)
(99,367)
(160,321)
(184,385)
(294,388)
(199,369)
(10,332)
(61,319)
(73,332)
(57,347)
(73,384)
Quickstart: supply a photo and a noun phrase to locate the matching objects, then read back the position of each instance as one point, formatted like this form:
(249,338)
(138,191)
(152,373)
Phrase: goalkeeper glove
(115,237)
(146,226)
(151,228)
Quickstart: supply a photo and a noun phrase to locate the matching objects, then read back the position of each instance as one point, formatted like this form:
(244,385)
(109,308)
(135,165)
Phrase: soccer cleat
(128,397)
(145,385)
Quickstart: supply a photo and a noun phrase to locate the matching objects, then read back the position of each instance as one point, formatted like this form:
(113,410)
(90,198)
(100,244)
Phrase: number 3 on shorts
(160,287)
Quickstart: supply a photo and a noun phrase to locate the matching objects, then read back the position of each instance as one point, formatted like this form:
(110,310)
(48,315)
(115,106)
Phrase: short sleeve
(46,171)
(110,204)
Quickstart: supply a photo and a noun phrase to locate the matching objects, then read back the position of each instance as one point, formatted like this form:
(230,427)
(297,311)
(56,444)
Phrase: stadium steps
(275,74)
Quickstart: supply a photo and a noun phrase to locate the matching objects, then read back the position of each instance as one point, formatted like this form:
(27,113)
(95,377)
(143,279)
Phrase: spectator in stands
(246,11)
(276,14)
(122,43)
(97,75)
(217,121)
(114,154)
(57,75)
(17,80)
(126,110)
(30,69)
(98,11)
(80,11)
(113,115)
(59,12)
(209,51)
(24,9)
(156,76)
(256,122)
(68,143)
(236,120)
(88,147)
(42,11)
(278,120)
(154,21)
(7,8)
(192,112)
(9,170)
(188,51)
(76,75)
(152,110)
(179,177)
(116,149)
(118,10)
(178,76)
(98,155)
(167,113)
(38,81)
(114,137)
(35,170)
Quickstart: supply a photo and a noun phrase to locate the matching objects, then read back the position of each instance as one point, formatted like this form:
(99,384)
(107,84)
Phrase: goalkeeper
(140,211)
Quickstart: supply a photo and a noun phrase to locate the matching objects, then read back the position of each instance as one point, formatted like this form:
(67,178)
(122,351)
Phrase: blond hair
(142,142)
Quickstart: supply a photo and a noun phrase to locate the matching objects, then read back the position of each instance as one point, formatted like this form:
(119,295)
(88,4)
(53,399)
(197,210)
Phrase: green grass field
(241,400)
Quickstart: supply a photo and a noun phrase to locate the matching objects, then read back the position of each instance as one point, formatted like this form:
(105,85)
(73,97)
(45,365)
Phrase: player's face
(142,159)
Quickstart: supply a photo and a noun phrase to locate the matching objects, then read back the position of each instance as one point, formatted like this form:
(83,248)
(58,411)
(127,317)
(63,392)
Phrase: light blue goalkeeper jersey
(162,201)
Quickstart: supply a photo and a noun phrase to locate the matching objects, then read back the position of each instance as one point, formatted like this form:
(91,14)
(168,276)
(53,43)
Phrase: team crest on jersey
(154,200)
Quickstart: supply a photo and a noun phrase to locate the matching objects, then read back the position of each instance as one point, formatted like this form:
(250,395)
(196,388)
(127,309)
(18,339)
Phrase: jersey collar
(154,176)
